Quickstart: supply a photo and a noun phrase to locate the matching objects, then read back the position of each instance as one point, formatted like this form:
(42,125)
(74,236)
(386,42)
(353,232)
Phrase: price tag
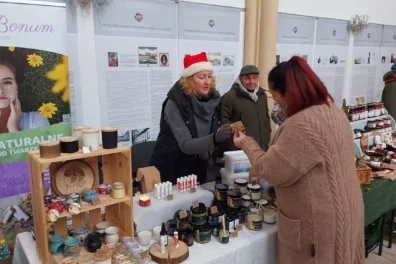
(169,197)
(144,254)
(86,150)
(183,214)
(195,204)
(213,209)
(95,201)
(239,227)
(193,190)
(234,234)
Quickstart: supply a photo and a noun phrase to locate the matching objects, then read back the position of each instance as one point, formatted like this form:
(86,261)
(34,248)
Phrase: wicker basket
(364,173)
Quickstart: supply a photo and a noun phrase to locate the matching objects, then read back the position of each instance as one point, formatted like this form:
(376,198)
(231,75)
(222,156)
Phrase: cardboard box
(148,176)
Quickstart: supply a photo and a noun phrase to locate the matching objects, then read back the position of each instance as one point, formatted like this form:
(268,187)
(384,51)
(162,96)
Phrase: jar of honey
(118,190)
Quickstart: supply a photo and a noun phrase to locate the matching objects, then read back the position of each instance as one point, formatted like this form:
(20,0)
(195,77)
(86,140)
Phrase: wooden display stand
(119,212)
(172,255)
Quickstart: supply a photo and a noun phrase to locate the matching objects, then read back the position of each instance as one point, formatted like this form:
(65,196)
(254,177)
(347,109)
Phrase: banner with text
(34,89)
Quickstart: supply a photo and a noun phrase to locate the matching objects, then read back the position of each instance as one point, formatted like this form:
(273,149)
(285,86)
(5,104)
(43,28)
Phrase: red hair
(302,87)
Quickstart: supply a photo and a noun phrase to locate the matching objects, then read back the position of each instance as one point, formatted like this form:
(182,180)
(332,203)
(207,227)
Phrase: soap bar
(238,126)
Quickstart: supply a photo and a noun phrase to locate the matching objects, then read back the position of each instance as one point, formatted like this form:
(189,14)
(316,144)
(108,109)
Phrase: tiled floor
(388,255)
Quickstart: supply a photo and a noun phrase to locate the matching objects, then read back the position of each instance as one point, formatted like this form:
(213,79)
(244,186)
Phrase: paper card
(389,166)
(183,214)
(144,254)
(86,150)
(360,100)
(239,227)
(95,201)
(213,209)
(169,197)
(234,234)
(193,190)
(195,204)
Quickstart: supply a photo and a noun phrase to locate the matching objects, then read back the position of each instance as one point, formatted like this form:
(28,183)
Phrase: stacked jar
(199,222)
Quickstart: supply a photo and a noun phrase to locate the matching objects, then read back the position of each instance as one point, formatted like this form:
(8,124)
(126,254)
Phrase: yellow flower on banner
(35,60)
(60,74)
(48,109)
(12,49)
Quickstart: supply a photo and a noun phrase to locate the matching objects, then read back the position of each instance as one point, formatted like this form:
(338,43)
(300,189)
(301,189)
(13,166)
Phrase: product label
(241,166)
(203,237)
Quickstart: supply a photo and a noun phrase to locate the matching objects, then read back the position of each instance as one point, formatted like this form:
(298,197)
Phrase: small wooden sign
(239,227)
(193,189)
(183,214)
(169,197)
(144,254)
(360,100)
(213,209)
(195,204)
(234,234)
(95,201)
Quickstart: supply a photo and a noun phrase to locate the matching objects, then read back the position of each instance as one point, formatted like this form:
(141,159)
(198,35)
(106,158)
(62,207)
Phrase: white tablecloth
(25,250)
(249,247)
(146,218)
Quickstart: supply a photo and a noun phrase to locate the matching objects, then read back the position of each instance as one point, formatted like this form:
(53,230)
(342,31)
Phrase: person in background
(190,123)
(389,92)
(311,163)
(247,102)
(12,119)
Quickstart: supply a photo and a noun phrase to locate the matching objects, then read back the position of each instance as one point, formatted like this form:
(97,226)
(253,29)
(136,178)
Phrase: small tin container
(234,199)
(199,215)
(203,233)
(102,189)
(254,191)
(182,223)
(221,192)
(187,236)
(242,185)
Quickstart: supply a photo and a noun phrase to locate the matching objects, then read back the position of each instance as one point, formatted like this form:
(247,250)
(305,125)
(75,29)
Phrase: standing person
(189,126)
(389,92)
(311,163)
(247,102)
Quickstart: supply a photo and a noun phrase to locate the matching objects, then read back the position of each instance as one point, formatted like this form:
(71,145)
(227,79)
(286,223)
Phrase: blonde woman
(189,126)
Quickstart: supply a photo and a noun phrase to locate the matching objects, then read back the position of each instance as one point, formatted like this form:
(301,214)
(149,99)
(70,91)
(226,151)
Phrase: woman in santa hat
(189,126)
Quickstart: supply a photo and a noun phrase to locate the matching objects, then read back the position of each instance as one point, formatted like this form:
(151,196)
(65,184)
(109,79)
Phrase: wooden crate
(116,166)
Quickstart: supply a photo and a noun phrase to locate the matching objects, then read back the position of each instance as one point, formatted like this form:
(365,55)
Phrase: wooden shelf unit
(116,166)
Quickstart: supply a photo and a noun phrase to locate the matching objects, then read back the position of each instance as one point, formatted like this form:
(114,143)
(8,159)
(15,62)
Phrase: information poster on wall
(366,61)
(34,89)
(295,37)
(74,68)
(214,30)
(331,55)
(388,57)
(136,46)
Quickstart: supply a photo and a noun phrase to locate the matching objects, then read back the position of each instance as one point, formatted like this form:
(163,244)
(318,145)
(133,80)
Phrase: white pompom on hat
(196,63)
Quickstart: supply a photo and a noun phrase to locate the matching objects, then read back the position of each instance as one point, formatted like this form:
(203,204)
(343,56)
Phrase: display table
(249,247)
(379,199)
(146,218)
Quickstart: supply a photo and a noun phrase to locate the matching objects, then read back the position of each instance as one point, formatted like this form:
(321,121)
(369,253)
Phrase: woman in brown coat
(311,164)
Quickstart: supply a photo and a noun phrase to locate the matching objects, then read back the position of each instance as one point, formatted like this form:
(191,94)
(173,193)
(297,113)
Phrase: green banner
(14,146)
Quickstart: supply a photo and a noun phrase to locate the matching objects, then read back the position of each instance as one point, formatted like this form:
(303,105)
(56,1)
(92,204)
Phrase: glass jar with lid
(118,190)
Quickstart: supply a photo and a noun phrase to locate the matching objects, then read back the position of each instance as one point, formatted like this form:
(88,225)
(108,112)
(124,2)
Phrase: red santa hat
(196,63)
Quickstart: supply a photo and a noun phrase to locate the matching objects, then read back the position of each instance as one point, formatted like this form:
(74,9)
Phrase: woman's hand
(224,133)
(238,137)
(15,116)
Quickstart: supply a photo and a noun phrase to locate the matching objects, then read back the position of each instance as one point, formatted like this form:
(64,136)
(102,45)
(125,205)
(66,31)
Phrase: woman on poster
(12,119)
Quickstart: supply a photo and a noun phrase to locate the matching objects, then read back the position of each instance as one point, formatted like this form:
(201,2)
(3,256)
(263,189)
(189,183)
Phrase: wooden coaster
(172,254)
(238,126)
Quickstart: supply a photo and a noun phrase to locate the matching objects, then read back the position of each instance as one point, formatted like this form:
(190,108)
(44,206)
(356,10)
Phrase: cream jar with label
(246,201)
(270,214)
(118,190)
(254,191)
(242,185)
(91,139)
